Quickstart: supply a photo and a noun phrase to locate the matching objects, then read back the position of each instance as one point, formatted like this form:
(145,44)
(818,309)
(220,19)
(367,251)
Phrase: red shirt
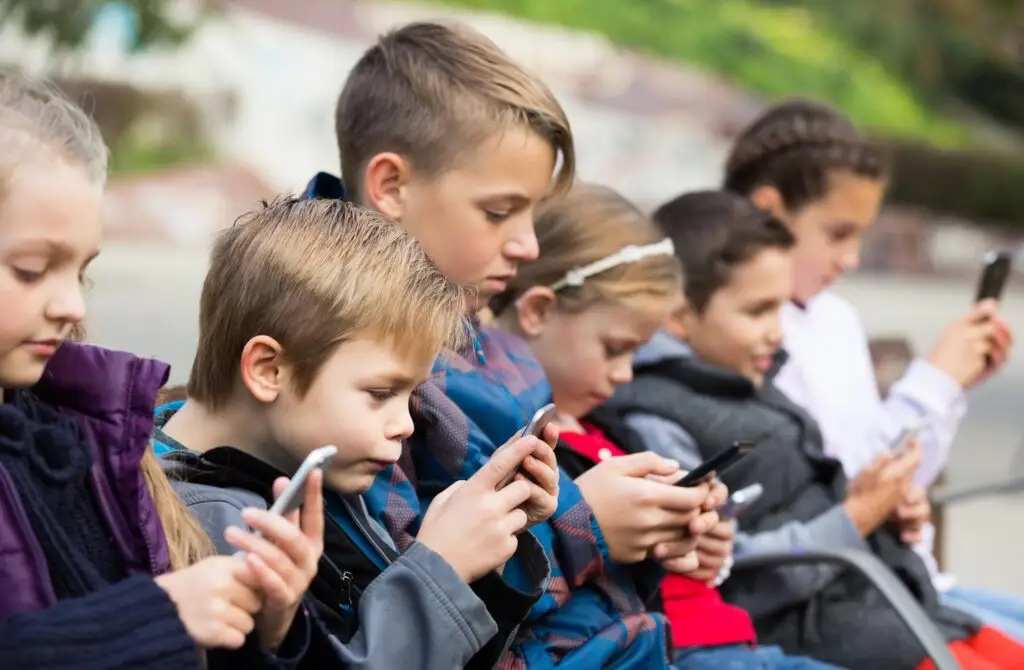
(698,615)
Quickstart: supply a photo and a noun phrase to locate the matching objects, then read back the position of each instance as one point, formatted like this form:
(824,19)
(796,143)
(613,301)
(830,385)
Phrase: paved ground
(146,301)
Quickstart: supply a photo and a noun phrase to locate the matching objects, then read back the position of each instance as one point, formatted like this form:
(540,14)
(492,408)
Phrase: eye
(382,395)
(27,276)
(497,217)
(616,349)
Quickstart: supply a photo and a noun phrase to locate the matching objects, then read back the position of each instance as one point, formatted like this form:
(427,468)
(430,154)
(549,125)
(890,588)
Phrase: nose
(622,371)
(522,245)
(400,426)
(850,259)
(774,333)
(67,303)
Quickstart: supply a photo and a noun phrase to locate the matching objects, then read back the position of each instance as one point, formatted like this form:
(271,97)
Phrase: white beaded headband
(630,254)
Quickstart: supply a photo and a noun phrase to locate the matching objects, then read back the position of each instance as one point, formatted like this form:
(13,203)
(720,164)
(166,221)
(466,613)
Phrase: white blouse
(830,374)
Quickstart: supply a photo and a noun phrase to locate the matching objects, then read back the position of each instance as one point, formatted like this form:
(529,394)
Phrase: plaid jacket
(591,615)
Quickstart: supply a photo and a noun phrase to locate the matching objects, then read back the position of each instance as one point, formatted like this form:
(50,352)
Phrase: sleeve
(830,530)
(417,613)
(130,624)
(666,438)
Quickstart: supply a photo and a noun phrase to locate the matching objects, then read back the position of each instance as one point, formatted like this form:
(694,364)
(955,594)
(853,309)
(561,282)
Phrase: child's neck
(200,429)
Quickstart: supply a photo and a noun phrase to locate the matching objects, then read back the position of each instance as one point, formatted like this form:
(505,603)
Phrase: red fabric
(696,611)
(988,650)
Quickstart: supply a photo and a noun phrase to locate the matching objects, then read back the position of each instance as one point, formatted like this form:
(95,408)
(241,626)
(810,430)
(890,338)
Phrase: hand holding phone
(292,497)
(535,428)
(994,275)
(710,468)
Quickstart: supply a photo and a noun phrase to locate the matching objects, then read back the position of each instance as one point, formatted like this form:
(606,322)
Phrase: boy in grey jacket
(317,320)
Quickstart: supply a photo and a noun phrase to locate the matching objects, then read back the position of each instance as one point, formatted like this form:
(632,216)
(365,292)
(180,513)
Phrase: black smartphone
(995,272)
(709,468)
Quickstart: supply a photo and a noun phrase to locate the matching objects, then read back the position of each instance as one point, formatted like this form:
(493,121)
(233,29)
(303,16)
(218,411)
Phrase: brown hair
(431,92)
(37,122)
(313,274)
(794,147)
(585,225)
(714,232)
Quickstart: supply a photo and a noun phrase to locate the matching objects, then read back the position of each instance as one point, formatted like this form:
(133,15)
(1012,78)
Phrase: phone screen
(716,464)
(994,276)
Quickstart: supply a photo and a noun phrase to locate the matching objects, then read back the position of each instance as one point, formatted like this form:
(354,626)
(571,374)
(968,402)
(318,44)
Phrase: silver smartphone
(740,501)
(540,420)
(538,423)
(902,441)
(295,494)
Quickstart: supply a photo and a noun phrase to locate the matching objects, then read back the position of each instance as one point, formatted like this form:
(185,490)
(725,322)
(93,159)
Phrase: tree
(68,23)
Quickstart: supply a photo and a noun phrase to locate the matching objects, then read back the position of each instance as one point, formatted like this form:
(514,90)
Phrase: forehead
(767,275)
(376,357)
(511,161)
(851,198)
(51,202)
(617,321)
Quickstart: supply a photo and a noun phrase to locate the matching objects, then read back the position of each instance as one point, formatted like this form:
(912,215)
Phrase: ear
(263,368)
(681,322)
(769,199)
(387,175)
(534,310)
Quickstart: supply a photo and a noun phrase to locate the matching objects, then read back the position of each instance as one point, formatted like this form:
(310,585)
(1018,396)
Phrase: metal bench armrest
(883,579)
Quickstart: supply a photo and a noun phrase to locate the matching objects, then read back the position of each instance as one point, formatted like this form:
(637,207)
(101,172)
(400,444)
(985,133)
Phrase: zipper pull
(346,581)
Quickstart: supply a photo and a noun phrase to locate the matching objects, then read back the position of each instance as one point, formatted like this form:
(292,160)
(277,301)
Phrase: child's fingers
(270,551)
(550,435)
(312,518)
(545,476)
(277,594)
(280,484)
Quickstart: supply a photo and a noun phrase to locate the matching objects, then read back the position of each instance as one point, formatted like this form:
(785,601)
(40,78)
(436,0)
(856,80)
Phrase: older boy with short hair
(318,318)
(441,131)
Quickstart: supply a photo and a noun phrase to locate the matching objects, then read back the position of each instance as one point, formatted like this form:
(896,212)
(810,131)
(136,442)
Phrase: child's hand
(965,343)
(913,512)
(473,524)
(878,489)
(636,513)
(713,550)
(216,600)
(284,560)
(540,470)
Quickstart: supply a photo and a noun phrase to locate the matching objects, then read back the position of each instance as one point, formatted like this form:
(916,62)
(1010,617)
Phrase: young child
(442,132)
(317,320)
(706,382)
(605,281)
(808,165)
(90,527)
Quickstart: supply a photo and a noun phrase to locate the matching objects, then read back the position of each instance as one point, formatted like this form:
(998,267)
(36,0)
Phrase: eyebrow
(53,245)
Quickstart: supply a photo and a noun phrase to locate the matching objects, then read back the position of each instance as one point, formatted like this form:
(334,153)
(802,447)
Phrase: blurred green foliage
(772,48)
(68,23)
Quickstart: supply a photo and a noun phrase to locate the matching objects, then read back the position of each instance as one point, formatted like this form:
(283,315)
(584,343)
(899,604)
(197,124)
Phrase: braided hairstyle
(794,147)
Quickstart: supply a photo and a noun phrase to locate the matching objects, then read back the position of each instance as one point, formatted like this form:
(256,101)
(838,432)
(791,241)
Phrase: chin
(349,483)
(25,376)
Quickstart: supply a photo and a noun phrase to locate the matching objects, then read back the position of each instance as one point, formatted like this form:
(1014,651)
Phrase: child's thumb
(644,464)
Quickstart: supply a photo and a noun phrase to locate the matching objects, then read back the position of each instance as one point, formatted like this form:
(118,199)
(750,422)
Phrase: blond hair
(588,224)
(37,122)
(313,274)
(431,92)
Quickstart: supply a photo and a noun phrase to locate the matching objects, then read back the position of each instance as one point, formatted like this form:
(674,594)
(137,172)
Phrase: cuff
(933,391)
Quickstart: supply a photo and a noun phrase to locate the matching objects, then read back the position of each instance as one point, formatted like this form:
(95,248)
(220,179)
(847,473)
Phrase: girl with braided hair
(809,166)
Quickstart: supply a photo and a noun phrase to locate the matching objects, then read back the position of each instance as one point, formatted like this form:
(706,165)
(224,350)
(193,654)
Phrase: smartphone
(295,494)
(540,420)
(995,273)
(740,501)
(902,441)
(709,468)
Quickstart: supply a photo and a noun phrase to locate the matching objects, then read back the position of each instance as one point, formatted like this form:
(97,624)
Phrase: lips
(44,348)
